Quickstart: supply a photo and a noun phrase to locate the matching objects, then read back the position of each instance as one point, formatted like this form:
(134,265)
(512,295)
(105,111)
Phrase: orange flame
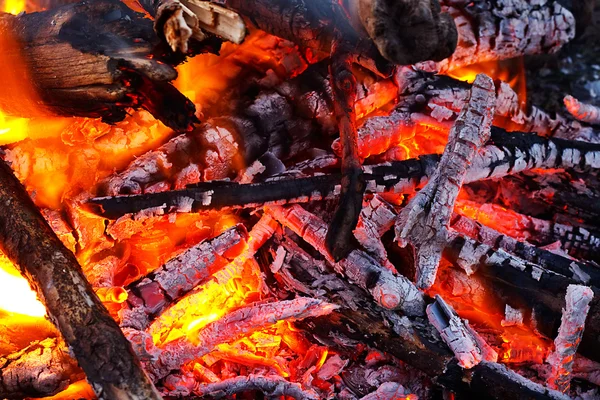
(14,6)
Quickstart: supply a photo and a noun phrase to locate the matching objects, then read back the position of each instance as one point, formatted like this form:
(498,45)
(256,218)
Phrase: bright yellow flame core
(15,294)
(14,6)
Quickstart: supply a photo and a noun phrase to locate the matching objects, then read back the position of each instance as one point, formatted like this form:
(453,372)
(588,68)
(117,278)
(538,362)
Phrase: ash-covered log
(273,386)
(567,341)
(423,222)
(110,60)
(53,271)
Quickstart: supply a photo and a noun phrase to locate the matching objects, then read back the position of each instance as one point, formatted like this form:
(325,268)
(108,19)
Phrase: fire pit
(299,199)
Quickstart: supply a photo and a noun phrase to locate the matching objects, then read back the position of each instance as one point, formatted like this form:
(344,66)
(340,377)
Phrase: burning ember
(310,200)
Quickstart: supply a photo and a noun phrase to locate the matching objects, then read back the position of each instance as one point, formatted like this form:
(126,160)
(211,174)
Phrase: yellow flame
(15,294)
(14,6)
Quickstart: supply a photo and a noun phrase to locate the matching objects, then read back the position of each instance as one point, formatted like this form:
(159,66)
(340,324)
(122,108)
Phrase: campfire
(288,199)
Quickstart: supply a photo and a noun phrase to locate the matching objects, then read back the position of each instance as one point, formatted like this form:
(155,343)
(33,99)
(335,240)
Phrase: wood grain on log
(103,69)
(53,271)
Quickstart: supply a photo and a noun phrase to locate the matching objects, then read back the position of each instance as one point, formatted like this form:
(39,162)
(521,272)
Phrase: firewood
(149,296)
(29,242)
(412,340)
(41,369)
(579,271)
(393,292)
(274,386)
(118,65)
(353,185)
(233,326)
(505,29)
(468,347)
(390,391)
(424,221)
(376,218)
(571,329)
(507,153)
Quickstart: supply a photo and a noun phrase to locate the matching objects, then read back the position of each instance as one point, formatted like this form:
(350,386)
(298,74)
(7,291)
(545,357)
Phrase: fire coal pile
(335,226)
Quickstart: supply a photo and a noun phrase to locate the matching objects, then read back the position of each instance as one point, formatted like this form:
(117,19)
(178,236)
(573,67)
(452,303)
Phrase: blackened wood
(339,234)
(53,271)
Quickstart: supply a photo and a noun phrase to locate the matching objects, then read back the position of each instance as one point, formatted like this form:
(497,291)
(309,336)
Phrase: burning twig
(582,111)
(233,326)
(346,215)
(149,296)
(272,386)
(389,290)
(468,347)
(577,300)
(424,221)
(94,337)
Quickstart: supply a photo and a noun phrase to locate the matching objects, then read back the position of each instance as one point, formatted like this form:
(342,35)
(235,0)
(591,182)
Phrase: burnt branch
(423,222)
(582,111)
(53,271)
(273,386)
(393,292)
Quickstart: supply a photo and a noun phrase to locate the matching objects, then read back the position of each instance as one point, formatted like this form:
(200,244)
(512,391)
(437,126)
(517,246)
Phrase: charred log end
(406,32)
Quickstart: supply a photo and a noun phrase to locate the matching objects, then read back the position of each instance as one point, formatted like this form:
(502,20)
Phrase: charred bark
(53,271)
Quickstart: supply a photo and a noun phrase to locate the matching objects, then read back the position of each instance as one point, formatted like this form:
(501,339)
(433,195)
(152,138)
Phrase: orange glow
(510,71)
(15,294)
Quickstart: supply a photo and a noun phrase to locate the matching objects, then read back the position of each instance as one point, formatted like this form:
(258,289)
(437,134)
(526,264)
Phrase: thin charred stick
(413,340)
(41,369)
(423,222)
(149,296)
(344,221)
(376,218)
(507,153)
(393,292)
(53,271)
(233,326)
(571,329)
(586,273)
(582,111)
(272,386)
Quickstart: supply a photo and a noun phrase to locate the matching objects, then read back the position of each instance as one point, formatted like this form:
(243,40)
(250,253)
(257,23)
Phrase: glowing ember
(15,294)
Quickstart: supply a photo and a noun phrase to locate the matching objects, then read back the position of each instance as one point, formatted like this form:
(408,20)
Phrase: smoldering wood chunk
(423,222)
(40,370)
(409,31)
(272,386)
(582,111)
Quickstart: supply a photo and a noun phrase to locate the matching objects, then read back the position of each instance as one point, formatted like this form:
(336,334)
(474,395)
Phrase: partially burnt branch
(571,329)
(53,271)
(390,291)
(424,221)
(273,386)
(149,296)
(582,111)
